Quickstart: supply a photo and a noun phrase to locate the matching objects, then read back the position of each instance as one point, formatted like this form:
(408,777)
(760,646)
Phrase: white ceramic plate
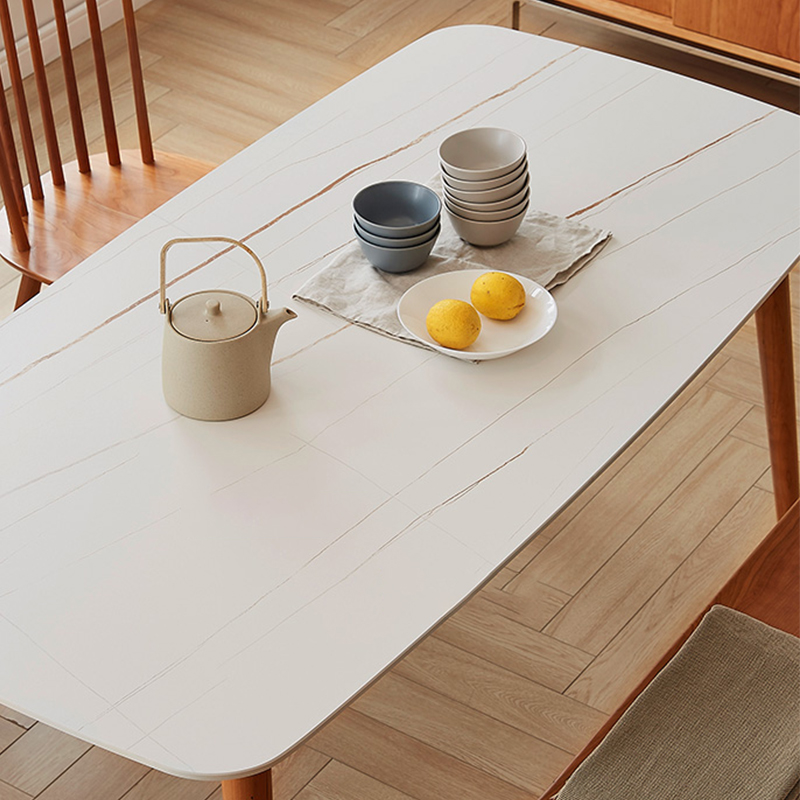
(498,337)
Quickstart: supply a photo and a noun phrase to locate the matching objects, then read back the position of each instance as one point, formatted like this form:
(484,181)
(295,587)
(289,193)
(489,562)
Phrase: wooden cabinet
(765,32)
(663,7)
(771,26)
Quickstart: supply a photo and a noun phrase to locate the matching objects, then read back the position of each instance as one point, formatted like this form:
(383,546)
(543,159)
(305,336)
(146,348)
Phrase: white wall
(110,12)
(44,12)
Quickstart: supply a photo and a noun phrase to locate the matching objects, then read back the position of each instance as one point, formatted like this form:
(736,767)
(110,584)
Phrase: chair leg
(28,288)
(515,15)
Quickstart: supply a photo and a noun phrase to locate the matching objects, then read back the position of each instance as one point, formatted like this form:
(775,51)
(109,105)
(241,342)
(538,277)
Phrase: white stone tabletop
(200,597)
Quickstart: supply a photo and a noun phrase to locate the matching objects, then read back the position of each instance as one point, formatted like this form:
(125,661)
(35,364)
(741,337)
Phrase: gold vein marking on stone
(286,213)
(670,165)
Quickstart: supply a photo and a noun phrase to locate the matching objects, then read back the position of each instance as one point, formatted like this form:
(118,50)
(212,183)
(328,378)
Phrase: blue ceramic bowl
(383,241)
(397,259)
(397,209)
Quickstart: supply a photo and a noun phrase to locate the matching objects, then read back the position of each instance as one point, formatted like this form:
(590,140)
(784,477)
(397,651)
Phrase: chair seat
(721,721)
(77,219)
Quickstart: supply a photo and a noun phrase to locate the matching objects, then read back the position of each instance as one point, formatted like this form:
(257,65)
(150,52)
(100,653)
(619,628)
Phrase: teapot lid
(213,316)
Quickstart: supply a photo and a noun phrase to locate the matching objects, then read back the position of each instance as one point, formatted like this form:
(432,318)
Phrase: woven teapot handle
(164,303)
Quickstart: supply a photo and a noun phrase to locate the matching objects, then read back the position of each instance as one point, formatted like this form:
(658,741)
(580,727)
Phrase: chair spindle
(10,152)
(43,90)
(145,139)
(23,118)
(71,86)
(53,239)
(15,222)
(103,87)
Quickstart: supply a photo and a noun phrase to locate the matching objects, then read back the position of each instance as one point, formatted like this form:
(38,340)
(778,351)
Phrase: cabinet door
(663,7)
(772,26)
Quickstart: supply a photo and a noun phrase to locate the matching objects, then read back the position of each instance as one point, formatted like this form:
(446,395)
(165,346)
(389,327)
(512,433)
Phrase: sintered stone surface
(164,582)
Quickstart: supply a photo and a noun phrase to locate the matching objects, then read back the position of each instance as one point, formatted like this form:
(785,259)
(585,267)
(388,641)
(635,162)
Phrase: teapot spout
(277,316)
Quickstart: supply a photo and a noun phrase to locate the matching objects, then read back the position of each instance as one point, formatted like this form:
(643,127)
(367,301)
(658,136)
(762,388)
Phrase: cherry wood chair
(51,224)
(644,739)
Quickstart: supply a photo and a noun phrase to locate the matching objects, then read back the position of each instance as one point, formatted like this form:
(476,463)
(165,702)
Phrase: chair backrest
(11,181)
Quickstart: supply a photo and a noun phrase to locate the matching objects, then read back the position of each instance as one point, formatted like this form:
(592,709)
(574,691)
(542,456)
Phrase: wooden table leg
(774,326)
(257,787)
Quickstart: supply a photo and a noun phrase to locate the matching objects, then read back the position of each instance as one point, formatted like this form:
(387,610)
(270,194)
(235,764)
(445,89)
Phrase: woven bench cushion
(721,721)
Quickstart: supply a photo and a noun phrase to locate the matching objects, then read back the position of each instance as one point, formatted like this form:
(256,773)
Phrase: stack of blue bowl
(397,223)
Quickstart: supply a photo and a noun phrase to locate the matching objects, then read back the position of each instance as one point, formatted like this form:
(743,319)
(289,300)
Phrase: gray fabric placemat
(720,721)
(546,248)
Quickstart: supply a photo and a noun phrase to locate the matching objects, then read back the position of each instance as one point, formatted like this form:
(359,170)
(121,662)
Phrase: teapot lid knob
(213,316)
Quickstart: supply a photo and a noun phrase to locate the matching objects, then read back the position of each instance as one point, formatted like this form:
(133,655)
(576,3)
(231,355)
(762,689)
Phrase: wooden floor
(494,703)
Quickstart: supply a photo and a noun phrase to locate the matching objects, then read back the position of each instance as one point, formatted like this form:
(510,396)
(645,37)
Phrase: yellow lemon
(453,323)
(497,295)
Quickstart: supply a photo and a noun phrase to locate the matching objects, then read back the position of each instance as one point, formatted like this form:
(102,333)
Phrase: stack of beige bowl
(486,183)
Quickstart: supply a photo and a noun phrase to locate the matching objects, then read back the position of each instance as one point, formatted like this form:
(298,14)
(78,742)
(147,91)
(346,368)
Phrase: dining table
(201,597)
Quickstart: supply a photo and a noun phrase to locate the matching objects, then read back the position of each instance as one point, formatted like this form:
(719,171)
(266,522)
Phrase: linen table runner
(546,248)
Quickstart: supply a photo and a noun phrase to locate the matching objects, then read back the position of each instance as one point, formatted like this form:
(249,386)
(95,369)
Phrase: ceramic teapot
(217,353)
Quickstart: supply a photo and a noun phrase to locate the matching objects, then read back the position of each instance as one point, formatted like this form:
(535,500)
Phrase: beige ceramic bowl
(485,234)
(499,205)
(507,190)
(489,216)
(492,183)
(479,154)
